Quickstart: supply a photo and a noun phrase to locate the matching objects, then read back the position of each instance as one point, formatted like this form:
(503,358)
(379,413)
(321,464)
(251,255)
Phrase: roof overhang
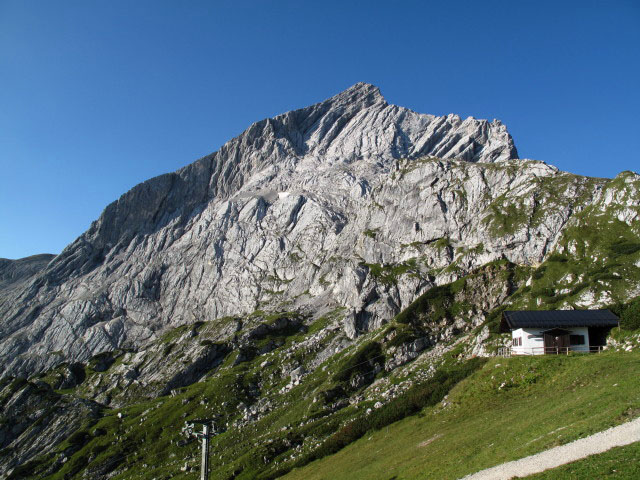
(547,319)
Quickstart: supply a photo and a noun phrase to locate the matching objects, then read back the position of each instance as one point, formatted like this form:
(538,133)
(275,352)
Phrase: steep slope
(160,255)
(343,203)
(272,422)
(510,409)
(290,388)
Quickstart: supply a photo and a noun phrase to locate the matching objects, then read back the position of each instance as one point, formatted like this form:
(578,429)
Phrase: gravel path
(600,442)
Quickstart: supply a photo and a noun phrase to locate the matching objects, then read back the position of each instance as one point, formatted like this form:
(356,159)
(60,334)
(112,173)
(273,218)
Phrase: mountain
(326,263)
(303,209)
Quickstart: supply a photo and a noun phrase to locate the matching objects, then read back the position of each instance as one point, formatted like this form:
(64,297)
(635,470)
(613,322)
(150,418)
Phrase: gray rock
(319,206)
(36,419)
(297,374)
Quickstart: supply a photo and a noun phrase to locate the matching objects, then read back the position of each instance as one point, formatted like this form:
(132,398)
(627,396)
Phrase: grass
(439,302)
(147,431)
(619,462)
(389,274)
(509,409)
(371,232)
(141,440)
(409,403)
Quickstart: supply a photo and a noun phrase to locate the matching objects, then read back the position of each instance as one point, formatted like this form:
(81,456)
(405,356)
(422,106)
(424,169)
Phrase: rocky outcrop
(350,202)
(35,419)
(14,273)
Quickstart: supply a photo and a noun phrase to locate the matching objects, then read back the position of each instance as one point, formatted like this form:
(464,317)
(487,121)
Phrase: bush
(543,292)
(539,272)
(361,361)
(403,334)
(577,288)
(494,318)
(437,301)
(28,469)
(630,317)
(624,248)
(79,438)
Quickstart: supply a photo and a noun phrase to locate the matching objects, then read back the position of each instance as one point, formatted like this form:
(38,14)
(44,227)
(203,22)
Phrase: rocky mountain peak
(359,123)
(361,94)
(221,235)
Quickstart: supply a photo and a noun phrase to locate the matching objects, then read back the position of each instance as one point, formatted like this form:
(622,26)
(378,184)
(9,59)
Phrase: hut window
(576,339)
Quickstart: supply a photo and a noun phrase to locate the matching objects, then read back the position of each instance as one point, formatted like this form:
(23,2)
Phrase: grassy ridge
(509,409)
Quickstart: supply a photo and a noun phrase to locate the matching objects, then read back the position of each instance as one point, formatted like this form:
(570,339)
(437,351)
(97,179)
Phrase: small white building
(557,331)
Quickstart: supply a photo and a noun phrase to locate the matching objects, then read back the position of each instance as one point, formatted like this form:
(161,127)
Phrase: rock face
(350,202)
(14,273)
(35,419)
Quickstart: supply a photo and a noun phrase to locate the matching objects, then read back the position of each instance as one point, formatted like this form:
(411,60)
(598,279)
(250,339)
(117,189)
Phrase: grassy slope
(597,257)
(544,402)
(295,426)
(143,442)
(619,462)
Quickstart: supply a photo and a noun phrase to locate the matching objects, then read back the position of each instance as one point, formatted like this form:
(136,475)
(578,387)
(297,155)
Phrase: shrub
(539,272)
(438,301)
(630,317)
(543,292)
(403,334)
(624,248)
(577,288)
(557,257)
(361,361)
(167,349)
(494,318)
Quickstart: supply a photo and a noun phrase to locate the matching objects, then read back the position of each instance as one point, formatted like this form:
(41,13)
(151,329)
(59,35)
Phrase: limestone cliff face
(14,273)
(350,202)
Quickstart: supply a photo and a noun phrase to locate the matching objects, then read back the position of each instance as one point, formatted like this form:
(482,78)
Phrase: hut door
(555,343)
(562,341)
(549,344)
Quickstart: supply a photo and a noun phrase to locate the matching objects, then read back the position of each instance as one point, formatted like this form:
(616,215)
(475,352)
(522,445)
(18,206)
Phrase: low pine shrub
(630,317)
(624,248)
(361,361)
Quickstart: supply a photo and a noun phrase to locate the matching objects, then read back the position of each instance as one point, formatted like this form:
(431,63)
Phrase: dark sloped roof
(558,318)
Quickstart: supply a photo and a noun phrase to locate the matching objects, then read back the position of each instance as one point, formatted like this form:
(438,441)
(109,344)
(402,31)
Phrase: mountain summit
(350,202)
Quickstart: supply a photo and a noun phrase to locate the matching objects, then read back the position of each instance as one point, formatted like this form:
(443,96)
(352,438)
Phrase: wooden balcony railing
(511,351)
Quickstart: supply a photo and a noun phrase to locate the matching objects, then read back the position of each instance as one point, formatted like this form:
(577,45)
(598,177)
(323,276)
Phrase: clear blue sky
(97,96)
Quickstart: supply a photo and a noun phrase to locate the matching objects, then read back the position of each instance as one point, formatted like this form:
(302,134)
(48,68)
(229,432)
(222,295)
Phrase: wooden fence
(517,351)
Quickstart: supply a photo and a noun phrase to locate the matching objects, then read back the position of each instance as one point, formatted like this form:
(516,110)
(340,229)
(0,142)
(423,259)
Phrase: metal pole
(209,430)
(204,472)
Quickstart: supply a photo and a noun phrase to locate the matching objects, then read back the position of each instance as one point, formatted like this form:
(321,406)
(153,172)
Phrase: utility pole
(208,431)
(204,470)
